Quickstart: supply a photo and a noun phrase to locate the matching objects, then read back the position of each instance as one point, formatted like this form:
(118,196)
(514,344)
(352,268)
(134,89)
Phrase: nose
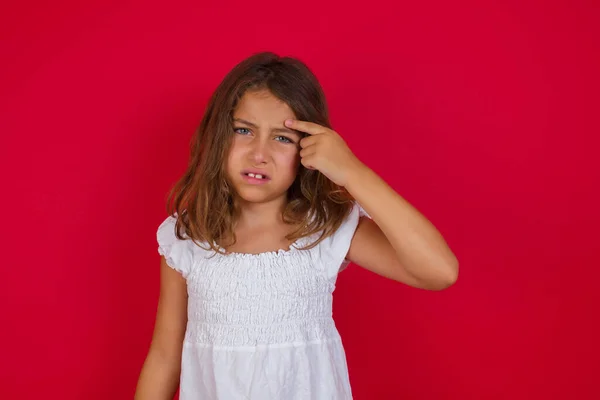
(259,151)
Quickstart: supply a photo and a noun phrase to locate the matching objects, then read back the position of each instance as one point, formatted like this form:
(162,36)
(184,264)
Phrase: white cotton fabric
(260,326)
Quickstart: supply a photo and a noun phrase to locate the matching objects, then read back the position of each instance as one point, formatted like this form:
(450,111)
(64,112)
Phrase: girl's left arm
(399,242)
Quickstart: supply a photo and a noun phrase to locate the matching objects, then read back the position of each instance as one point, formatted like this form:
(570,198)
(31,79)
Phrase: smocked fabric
(260,326)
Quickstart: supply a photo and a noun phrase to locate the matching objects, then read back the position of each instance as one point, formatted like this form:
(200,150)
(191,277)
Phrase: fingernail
(288,122)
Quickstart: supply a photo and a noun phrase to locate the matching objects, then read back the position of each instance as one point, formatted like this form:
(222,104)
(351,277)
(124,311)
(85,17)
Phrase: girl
(272,206)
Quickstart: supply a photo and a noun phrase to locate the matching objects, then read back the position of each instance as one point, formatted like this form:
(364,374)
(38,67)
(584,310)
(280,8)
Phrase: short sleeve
(362,212)
(336,246)
(178,253)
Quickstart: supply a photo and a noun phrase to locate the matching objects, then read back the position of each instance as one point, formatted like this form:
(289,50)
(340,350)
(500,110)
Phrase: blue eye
(284,139)
(237,130)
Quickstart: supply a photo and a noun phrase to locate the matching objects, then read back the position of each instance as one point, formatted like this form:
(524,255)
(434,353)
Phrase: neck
(260,214)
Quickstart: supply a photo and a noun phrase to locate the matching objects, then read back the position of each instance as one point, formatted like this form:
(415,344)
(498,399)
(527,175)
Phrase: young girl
(272,206)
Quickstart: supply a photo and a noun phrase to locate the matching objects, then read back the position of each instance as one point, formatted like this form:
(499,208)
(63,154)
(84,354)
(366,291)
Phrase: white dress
(260,326)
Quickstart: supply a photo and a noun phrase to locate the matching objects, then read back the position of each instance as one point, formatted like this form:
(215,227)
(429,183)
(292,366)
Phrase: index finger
(304,126)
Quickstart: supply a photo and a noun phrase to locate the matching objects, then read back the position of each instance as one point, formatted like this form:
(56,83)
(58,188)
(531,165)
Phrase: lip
(255,171)
(255,181)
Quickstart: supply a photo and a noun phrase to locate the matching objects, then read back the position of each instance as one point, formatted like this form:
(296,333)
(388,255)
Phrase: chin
(257,195)
(252,197)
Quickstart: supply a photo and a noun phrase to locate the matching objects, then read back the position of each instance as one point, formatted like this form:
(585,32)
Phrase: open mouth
(257,176)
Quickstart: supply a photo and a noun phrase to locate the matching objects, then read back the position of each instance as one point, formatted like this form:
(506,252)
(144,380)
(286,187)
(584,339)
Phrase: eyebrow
(278,130)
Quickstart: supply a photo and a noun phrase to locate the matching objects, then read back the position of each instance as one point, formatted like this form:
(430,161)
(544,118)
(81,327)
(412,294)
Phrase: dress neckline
(293,249)
(272,253)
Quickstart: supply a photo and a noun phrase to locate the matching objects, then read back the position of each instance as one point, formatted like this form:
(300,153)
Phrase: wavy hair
(203,200)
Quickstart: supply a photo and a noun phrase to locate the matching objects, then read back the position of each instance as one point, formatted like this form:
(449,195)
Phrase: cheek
(232,164)
(290,160)
(233,155)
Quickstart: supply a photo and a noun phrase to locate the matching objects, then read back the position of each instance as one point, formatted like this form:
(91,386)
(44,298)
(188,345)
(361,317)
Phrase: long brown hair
(202,198)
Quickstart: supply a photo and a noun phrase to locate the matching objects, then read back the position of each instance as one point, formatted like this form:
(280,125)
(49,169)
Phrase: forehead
(262,106)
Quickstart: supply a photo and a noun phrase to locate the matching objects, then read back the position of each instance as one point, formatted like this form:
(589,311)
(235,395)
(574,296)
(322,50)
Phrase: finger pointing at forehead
(305,126)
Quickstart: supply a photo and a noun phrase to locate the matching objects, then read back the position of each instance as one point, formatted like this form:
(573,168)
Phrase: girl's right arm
(159,378)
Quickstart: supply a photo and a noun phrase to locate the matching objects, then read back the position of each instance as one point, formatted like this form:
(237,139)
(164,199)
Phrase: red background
(484,116)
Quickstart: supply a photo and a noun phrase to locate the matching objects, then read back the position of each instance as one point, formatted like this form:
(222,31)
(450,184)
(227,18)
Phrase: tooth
(251,175)
(258,176)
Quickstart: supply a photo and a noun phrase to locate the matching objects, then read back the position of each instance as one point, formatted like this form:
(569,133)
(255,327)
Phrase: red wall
(485,116)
